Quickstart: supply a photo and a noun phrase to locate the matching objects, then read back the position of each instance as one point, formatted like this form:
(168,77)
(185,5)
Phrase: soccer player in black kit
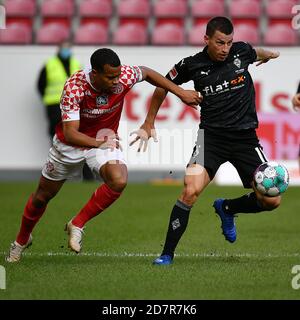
(228,123)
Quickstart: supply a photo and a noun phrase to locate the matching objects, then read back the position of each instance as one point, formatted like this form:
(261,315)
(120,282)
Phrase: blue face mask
(65,53)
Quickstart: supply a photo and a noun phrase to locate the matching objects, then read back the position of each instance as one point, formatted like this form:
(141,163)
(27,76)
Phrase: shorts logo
(49,166)
(117,88)
(195,152)
(173,73)
(102,100)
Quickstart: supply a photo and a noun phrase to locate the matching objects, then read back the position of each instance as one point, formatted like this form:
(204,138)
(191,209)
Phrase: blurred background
(158,34)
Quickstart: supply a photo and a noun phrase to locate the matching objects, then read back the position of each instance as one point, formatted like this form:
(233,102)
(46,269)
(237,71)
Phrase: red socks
(102,198)
(30,217)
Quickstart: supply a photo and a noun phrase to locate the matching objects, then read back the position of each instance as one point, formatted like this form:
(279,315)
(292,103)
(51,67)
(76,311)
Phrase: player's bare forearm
(156,101)
(264,55)
(74,137)
(189,97)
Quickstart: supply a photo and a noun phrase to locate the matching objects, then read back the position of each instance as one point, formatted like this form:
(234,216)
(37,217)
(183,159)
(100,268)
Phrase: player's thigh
(64,162)
(210,152)
(98,158)
(246,158)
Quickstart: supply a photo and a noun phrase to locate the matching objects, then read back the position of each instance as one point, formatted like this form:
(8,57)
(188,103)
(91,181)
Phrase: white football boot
(75,236)
(16,250)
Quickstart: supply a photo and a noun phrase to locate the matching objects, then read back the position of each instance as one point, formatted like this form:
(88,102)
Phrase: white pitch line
(137,254)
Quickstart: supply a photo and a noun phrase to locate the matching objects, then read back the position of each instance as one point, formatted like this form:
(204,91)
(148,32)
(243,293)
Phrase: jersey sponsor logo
(94,113)
(173,73)
(117,89)
(225,86)
(102,100)
(238,80)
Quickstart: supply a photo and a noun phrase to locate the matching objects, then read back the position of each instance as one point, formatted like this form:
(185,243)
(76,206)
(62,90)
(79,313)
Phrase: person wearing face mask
(52,78)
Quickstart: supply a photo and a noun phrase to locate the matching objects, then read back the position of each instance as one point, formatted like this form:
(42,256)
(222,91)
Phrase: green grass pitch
(120,244)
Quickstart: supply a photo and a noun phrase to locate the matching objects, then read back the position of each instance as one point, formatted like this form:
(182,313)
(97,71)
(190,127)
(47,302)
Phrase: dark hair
(221,24)
(104,56)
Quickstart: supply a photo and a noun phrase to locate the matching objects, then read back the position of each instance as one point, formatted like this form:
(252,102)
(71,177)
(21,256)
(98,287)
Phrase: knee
(118,184)
(190,194)
(270,204)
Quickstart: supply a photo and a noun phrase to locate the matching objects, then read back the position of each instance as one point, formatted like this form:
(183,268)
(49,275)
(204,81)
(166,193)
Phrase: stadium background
(24,146)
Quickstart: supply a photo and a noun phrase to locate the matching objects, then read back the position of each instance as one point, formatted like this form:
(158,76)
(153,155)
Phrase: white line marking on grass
(140,254)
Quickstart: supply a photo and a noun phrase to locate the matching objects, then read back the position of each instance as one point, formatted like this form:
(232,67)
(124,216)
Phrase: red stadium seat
(170,8)
(280,35)
(95,8)
(57,11)
(196,35)
(16,33)
(245,11)
(91,34)
(52,33)
(280,8)
(130,34)
(245,8)
(133,11)
(134,8)
(168,34)
(247,33)
(207,8)
(20,11)
(20,8)
(170,11)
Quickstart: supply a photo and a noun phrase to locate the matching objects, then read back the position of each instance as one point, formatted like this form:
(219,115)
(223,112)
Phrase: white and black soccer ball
(271,179)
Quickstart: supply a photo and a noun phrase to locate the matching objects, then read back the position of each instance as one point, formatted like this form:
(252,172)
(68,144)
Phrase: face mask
(65,53)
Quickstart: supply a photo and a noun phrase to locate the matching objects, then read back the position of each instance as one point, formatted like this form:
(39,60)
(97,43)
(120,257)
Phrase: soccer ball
(271,179)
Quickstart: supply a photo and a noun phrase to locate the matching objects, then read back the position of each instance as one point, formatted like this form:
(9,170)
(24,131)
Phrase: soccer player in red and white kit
(91,106)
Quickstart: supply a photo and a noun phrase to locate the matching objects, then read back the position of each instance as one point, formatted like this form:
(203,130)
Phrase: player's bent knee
(118,184)
(270,203)
(190,194)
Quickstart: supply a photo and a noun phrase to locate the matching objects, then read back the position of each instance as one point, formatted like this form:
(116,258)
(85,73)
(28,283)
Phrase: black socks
(245,204)
(178,222)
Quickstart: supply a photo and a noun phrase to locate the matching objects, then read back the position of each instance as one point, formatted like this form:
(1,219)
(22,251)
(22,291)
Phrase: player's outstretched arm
(264,55)
(190,97)
(147,129)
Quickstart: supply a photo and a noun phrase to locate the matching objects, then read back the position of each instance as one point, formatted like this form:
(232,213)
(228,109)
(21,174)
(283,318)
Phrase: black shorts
(241,148)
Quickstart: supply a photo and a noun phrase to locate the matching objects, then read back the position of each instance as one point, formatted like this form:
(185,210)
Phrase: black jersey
(227,87)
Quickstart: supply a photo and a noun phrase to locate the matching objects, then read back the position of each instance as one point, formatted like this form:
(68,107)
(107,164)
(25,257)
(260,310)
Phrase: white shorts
(66,162)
